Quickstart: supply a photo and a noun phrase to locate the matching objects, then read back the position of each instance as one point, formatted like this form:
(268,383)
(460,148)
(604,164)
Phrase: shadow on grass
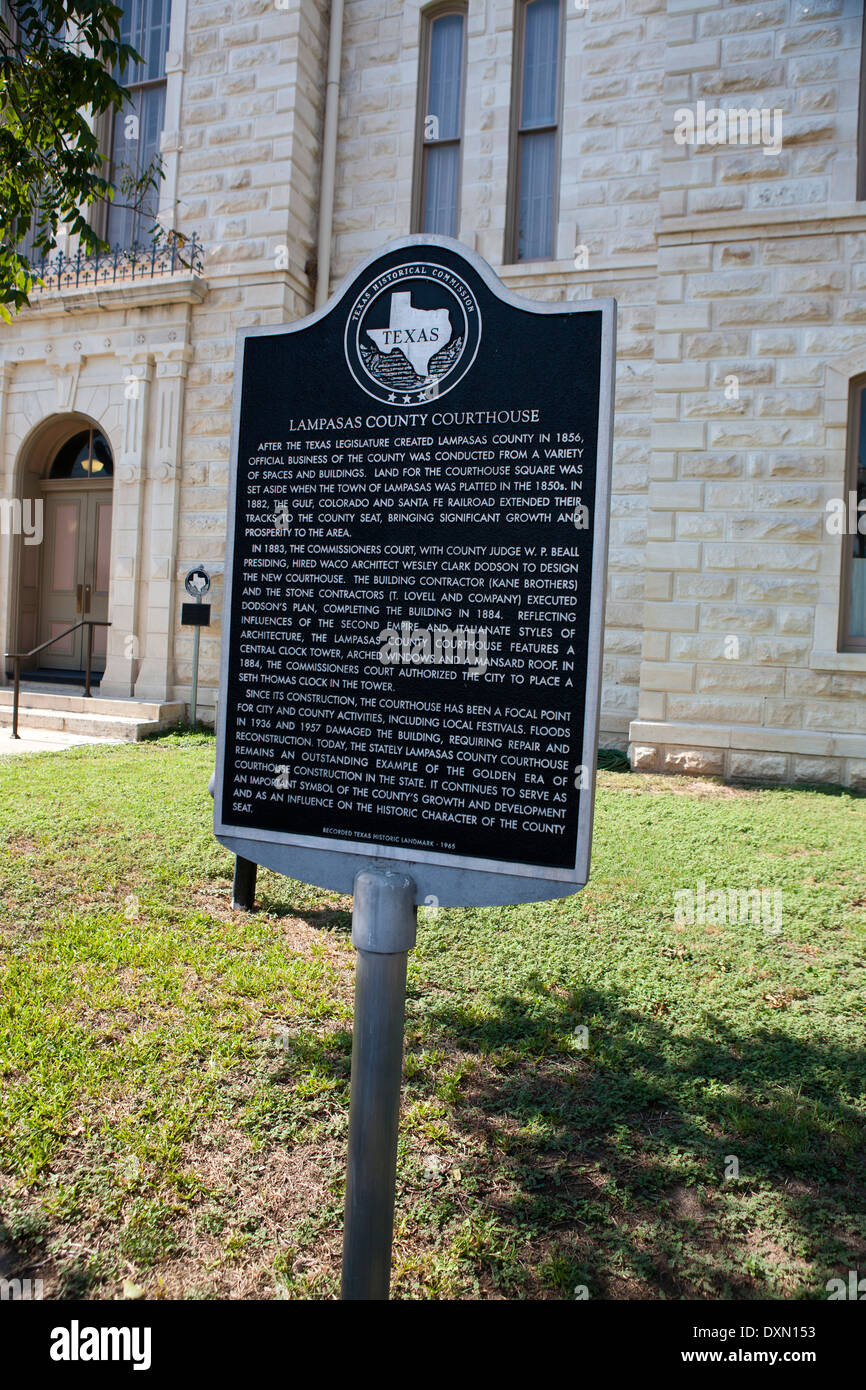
(612,1160)
(23,1258)
(608,1166)
(327,918)
(831,789)
(649,1164)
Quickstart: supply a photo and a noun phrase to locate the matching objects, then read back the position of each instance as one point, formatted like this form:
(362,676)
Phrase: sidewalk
(46,741)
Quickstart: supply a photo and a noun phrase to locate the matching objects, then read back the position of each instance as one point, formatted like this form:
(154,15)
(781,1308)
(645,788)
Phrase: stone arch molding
(38,410)
(839,374)
(143,424)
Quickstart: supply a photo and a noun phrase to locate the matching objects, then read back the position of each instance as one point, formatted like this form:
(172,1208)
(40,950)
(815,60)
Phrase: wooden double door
(76,555)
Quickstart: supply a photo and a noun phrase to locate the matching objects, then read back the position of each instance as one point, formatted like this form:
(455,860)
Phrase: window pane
(83,457)
(857,610)
(26,245)
(535,208)
(540,63)
(446,70)
(857,624)
(21,28)
(125,225)
(154,39)
(441,165)
(20,32)
(145,25)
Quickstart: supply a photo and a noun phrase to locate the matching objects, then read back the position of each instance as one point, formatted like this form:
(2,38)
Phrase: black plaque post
(244,884)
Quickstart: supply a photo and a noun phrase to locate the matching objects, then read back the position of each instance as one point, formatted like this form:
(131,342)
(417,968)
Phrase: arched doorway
(76,493)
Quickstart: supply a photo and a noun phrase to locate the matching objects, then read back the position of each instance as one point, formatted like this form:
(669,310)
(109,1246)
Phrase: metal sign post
(193,699)
(197,583)
(383,932)
(413,619)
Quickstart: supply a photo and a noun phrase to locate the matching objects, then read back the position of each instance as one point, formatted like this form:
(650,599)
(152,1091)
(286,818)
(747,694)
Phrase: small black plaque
(195,614)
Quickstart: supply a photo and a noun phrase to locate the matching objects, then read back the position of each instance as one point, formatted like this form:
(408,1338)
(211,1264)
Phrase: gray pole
(383,932)
(193,701)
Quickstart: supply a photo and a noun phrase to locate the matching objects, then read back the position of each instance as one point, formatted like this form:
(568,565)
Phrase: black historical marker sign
(415,590)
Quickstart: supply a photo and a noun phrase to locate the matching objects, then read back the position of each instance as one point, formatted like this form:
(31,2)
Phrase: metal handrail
(18,657)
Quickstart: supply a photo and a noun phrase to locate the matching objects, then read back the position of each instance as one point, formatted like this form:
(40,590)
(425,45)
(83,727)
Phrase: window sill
(525,269)
(837,661)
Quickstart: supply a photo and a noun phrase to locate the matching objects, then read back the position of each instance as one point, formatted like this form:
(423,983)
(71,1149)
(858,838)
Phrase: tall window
(136,129)
(853,624)
(536,141)
(441,121)
(19,34)
(861,124)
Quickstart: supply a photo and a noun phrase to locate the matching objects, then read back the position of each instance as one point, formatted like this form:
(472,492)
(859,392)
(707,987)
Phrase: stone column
(8,482)
(155,676)
(124,605)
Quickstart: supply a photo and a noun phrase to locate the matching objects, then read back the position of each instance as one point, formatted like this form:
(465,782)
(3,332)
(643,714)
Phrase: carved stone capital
(129,470)
(66,371)
(172,359)
(135,361)
(163,470)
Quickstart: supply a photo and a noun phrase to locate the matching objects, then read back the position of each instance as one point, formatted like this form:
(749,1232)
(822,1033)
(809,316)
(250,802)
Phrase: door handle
(87,598)
(78,600)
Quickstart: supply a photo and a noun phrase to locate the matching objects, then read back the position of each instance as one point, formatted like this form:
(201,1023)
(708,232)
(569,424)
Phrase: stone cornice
(757,738)
(526,279)
(234,273)
(764,222)
(169,289)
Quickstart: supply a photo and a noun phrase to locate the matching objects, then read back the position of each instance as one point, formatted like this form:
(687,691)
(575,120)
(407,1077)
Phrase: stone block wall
(248,177)
(740,280)
(611,134)
(760,325)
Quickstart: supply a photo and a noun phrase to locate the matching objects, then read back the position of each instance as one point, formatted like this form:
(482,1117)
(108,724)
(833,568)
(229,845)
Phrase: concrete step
(138,720)
(41,698)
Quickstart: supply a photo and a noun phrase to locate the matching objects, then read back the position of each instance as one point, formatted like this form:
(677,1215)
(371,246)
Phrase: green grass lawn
(579,1074)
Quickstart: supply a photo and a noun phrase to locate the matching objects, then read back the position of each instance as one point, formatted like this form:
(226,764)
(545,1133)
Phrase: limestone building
(703,162)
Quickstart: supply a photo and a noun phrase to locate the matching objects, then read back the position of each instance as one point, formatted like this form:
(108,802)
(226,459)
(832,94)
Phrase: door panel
(64,568)
(66,645)
(75,574)
(62,577)
(100,549)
